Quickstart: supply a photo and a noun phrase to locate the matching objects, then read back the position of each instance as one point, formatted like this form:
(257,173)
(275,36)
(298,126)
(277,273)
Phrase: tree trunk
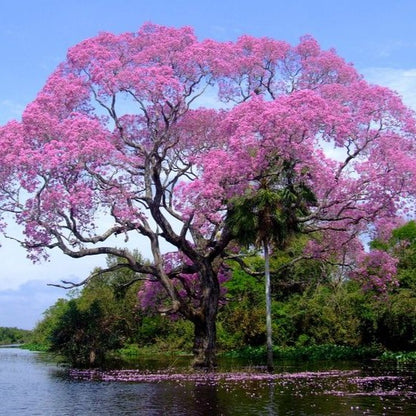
(204,347)
(205,329)
(92,357)
(268,309)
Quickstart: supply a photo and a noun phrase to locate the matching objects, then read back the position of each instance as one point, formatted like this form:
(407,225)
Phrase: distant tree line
(13,335)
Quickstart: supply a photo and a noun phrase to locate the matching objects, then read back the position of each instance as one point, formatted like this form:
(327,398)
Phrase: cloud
(17,268)
(403,81)
(23,307)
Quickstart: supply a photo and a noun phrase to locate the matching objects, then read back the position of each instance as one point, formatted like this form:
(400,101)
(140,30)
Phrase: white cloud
(16,268)
(24,306)
(403,81)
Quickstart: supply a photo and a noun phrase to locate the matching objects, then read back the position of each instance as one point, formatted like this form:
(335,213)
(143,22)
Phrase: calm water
(30,384)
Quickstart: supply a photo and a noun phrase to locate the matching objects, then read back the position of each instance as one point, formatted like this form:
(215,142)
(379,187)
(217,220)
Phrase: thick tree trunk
(204,348)
(205,332)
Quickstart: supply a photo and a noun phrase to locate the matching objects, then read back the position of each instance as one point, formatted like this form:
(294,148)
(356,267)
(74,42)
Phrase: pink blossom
(376,271)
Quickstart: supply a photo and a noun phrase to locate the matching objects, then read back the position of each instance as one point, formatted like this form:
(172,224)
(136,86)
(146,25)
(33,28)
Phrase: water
(31,384)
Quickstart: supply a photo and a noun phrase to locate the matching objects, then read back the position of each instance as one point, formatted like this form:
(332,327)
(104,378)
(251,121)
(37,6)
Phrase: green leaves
(83,336)
(272,212)
(13,335)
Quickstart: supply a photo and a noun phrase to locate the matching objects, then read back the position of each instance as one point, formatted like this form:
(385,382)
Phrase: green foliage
(41,335)
(397,323)
(31,346)
(394,320)
(168,334)
(400,357)
(13,335)
(290,277)
(402,245)
(310,309)
(270,214)
(102,318)
(315,316)
(406,232)
(84,335)
(324,315)
(241,319)
(322,352)
(97,320)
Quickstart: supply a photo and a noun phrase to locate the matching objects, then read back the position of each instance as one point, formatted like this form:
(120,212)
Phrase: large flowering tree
(123,140)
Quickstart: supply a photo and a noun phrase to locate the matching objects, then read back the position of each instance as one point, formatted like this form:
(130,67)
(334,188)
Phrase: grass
(400,357)
(133,350)
(35,347)
(309,353)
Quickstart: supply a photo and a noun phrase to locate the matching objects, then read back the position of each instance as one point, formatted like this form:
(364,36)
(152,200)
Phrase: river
(32,384)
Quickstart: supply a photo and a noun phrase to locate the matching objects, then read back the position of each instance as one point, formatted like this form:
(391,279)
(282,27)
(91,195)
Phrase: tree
(402,247)
(13,335)
(395,326)
(83,336)
(119,142)
(269,217)
(41,335)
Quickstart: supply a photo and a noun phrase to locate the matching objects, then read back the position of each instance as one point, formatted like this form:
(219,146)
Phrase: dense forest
(10,336)
(314,304)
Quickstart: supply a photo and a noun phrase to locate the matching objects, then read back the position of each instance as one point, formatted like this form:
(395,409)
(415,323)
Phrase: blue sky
(377,36)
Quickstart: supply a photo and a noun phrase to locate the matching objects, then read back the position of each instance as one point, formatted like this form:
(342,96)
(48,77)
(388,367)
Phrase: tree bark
(204,348)
(205,329)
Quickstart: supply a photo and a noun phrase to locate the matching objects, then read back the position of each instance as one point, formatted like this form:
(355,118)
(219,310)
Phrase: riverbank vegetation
(318,313)
(9,336)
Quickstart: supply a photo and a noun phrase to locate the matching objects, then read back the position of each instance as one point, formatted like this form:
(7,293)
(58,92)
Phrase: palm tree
(266,217)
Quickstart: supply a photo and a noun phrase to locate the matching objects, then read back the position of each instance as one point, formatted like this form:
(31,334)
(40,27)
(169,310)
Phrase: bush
(397,324)
(310,353)
(321,316)
(83,337)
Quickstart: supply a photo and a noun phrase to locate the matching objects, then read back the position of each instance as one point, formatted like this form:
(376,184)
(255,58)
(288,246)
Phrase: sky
(377,36)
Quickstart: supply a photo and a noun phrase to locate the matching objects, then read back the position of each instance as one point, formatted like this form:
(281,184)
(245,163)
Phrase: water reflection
(32,385)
